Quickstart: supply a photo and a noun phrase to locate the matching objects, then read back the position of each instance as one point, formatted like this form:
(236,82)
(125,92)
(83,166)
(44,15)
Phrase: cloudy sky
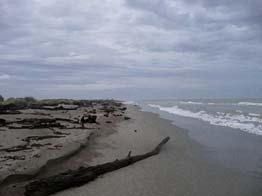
(131,49)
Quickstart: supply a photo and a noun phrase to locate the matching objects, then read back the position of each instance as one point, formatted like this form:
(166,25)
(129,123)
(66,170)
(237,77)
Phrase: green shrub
(1,98)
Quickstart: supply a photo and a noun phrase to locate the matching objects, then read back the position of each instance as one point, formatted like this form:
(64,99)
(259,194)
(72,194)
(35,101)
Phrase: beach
(181,168)
(130,98)
(36,137)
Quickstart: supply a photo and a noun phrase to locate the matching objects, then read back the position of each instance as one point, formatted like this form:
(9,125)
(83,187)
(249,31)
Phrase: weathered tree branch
(74,178)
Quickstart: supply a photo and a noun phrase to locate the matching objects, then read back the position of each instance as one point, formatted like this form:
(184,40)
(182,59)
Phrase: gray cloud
(130,48)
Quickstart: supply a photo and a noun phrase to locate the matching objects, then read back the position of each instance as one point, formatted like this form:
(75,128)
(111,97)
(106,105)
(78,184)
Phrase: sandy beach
(130,98)
(180,169)
(32,140)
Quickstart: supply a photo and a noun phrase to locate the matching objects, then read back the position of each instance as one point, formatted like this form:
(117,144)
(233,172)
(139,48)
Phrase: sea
(230,130)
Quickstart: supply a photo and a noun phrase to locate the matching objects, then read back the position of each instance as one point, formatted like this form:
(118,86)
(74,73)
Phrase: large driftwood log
(74,178)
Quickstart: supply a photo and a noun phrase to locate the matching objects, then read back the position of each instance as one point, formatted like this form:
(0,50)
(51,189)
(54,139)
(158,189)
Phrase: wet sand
(180,168)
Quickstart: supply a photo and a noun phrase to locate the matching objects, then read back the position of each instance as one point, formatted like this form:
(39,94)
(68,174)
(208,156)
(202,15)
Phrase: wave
(210,103)
(191,102)
(129,102)
(253,114)
(239,111)
(250,103)
(250,124)
(195,103)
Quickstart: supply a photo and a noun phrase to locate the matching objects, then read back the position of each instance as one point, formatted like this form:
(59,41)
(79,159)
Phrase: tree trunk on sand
(83,175)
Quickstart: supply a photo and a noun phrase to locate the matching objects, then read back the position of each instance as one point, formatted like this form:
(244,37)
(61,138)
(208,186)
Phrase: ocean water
(230,129)
(244,115)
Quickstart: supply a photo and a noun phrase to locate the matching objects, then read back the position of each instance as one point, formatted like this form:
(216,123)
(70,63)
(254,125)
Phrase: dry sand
(27,153)
(180,169)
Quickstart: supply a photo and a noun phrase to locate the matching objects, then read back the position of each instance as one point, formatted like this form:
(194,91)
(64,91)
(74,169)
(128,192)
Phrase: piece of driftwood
(29,121)
(2,122)
(37,138)
(16,148)
(74,178)
(39,126)
(10,112)
(90,119)
(27,146)
(67,120)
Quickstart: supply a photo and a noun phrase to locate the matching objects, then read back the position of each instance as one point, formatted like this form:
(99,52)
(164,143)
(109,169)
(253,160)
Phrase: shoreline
(180,169)
(232,148)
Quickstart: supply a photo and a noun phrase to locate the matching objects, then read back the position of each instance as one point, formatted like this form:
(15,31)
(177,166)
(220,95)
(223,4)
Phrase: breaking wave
(129,102)
(250,103)
(196,103)
(191,102)
(220,103)
(251,124)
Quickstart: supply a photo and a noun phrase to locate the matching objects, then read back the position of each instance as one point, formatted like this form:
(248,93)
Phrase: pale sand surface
(39,155)
(180,169)
(28,162)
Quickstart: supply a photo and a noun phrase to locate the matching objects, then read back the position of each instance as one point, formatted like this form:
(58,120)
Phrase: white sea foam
(250,103)
(129,102)
(210,103)
(195,103)
(253,114)
(239,111)
(191,102)
(245,123)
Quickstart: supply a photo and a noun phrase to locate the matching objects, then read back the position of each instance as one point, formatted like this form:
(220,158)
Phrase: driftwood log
(74,178)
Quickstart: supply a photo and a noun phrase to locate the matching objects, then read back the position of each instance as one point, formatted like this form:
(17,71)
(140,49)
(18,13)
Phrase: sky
(131,49)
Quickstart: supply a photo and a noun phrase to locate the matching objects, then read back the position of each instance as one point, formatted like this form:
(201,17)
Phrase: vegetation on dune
(19,101)
(30,102)
(1,98)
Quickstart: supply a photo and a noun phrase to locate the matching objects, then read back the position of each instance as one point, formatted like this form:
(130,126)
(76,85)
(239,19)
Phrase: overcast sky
(131,49)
